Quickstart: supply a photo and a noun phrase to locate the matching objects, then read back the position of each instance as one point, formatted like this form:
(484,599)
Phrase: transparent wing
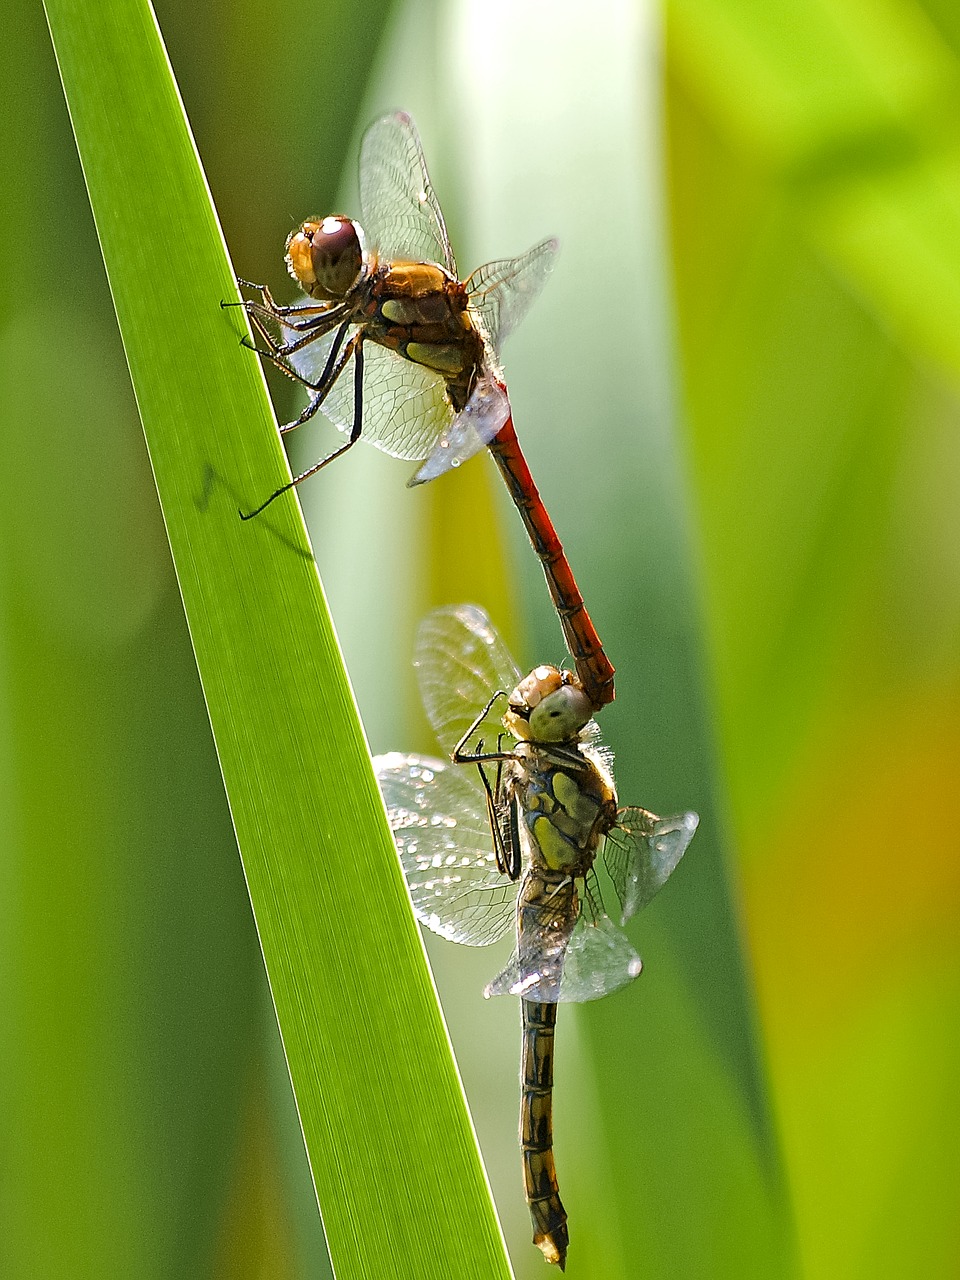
(596,750)
(401,214)
(461,662)
(591,961)
(405,407)
(546,919)
(439,821)
(502,292)
(599,960)
(640,853)
(469,431)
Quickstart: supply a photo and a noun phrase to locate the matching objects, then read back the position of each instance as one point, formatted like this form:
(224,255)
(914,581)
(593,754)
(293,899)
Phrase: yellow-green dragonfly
(513,844)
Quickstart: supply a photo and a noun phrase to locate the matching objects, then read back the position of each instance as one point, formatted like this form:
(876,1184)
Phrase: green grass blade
(391,1147)
(130,987)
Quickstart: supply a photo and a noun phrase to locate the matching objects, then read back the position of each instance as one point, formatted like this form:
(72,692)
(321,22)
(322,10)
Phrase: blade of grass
(391,1147)
(116,994)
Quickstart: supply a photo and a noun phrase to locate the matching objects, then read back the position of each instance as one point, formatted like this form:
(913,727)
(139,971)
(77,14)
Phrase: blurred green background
(739,397)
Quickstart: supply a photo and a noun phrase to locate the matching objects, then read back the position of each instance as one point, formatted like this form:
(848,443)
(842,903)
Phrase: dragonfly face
(326,257)
(548,705)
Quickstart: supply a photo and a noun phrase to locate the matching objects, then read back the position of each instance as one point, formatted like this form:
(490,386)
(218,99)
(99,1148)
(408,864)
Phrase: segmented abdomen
(593,666)
(536,1132)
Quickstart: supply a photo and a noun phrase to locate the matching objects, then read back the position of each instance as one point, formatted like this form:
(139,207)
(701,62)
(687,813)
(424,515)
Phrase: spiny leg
(273,308)
(353,348)
(460,756)
(331,372)
(326,380)
(279,351)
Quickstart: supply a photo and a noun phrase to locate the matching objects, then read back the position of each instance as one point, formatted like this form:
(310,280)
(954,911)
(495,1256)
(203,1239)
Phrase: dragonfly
(426,381)
(514,843)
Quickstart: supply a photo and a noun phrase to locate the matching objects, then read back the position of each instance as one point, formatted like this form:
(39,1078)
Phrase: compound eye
(326,257)
(560,715)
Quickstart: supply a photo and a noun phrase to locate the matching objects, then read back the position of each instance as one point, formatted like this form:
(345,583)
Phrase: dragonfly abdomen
(549,1217)
(593,666)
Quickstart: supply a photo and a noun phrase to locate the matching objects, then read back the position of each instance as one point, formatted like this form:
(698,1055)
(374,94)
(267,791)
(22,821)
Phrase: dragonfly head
(326,257)
(548,705)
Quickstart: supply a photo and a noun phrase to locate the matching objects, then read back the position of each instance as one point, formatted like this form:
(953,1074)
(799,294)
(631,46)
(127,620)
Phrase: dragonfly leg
(315,326)
(272,345)
(272,309)
(353,348)
(275,354)
(504,856)
(331,372)
(502,815)
(460,756)
(278,352)
(513,859)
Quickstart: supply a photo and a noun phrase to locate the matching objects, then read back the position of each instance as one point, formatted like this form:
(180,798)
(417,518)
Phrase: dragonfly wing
(439,821)
(590,962)
(469,431)
(461,662)
(544,928)
(405,406)
(401,213)
(641,851)
(599,959)
(502,292)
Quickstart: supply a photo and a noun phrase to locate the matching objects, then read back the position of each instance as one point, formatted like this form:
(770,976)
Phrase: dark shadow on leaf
(213,481)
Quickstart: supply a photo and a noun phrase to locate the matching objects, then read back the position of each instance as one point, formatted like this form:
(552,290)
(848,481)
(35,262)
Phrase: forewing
(640,853)
(469,431)
(405,407)
(439,821)
(502,292)
(401,214)
(461,662)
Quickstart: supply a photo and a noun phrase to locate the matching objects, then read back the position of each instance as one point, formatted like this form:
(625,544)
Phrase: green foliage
(401,1187)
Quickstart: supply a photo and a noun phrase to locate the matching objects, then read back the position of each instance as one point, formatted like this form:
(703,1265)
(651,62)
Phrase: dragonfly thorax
(326,257)
(548,705)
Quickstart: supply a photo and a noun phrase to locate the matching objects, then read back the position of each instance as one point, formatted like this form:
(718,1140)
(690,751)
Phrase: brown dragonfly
(514,846)
(426,382)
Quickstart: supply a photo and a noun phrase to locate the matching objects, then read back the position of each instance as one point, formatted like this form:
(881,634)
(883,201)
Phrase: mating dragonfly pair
(515,844)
